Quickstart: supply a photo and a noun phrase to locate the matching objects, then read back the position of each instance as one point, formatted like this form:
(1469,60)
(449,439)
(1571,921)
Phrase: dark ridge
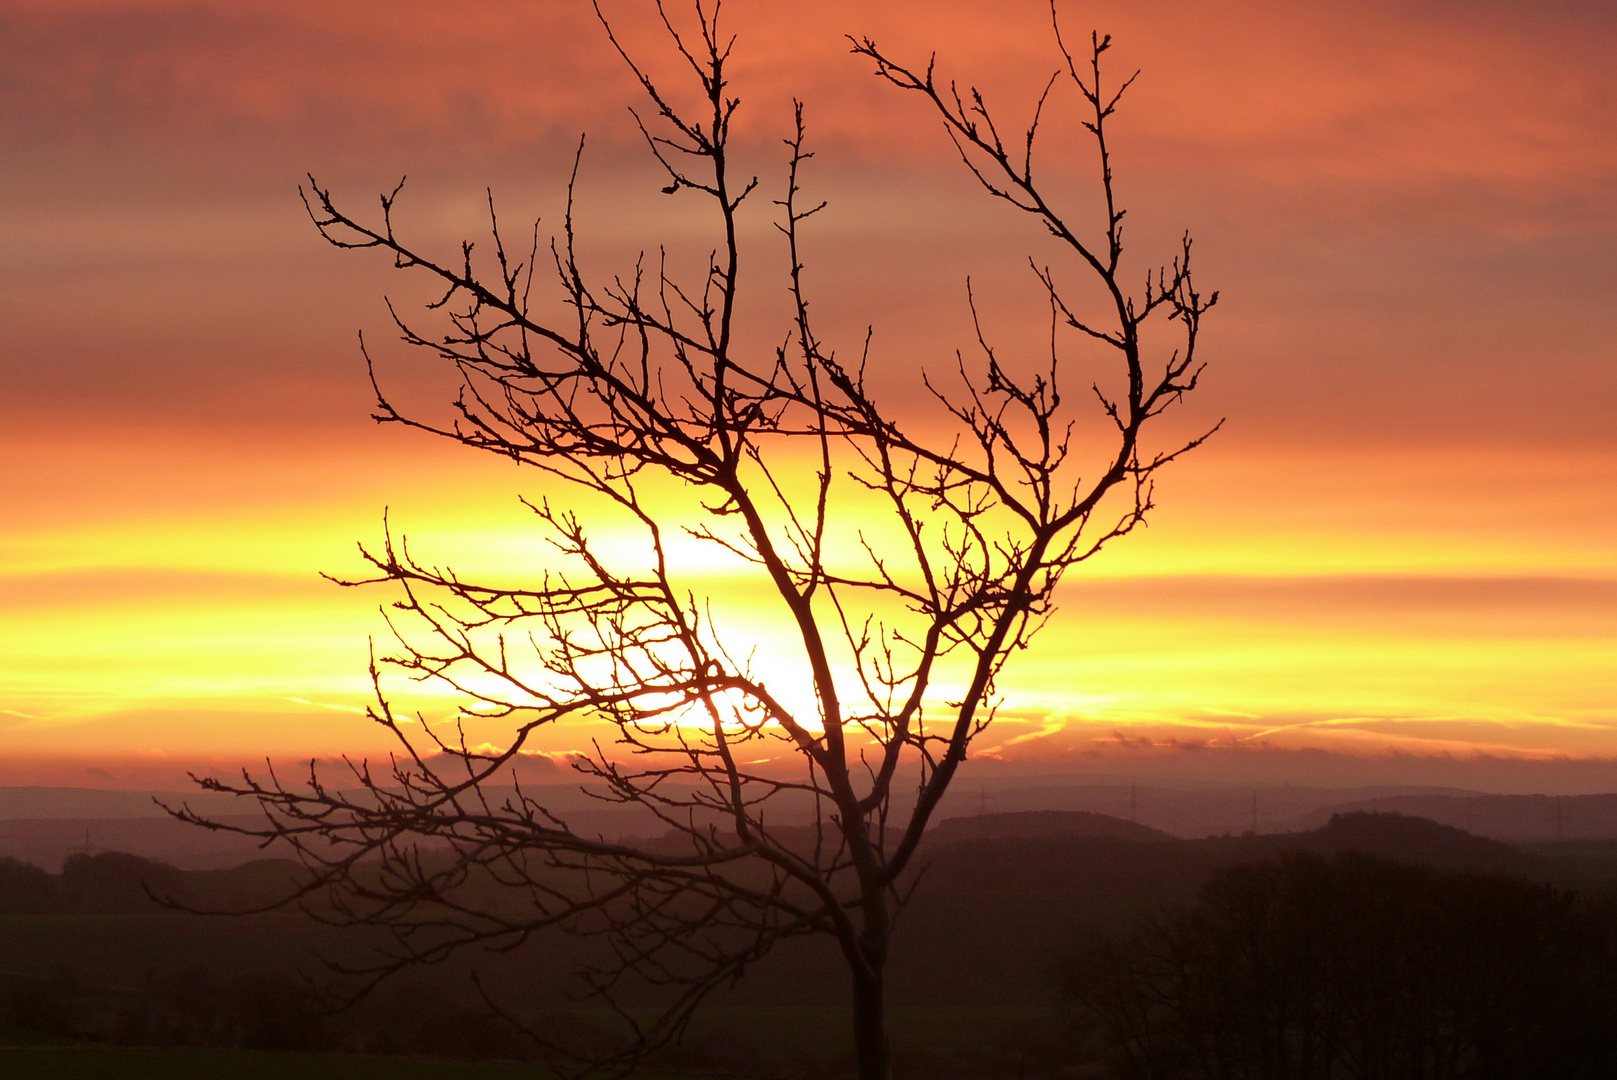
(1502,817)
(1406,839)
(1042,824)
(105,883)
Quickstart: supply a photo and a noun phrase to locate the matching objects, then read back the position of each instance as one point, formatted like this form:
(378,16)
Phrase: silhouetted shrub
(115,882)
(45,1005)
(423,1014)
(272,1010)
(25,889)
(1353,966)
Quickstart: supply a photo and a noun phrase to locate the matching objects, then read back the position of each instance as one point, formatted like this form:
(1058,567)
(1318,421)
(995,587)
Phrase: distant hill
(48,842)
(1401,838)
(991,912)
(1184,810)
(1042,824)
(1503,817)
(43,825)
(1187,810)
(1006,908)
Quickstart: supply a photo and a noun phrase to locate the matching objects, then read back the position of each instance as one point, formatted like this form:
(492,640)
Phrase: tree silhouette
(628,387)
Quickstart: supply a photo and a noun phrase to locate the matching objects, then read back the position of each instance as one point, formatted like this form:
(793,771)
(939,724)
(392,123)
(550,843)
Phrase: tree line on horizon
(1307,967)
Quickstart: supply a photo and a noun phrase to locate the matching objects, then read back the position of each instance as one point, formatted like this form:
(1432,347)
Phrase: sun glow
(1223,622)
(1406,535)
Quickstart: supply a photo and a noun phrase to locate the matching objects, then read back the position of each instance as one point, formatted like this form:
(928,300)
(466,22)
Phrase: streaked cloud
(1404,539)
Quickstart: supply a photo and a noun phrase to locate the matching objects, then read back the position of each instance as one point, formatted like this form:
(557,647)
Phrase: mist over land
(43,825)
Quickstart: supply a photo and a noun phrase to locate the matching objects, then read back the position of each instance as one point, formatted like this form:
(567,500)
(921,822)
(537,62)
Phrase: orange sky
(1405,539)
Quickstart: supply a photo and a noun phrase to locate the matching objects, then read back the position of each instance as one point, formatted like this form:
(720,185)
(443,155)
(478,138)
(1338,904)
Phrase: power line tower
(983,798)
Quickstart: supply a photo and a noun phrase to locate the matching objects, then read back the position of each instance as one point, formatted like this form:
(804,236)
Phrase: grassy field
(133,1063)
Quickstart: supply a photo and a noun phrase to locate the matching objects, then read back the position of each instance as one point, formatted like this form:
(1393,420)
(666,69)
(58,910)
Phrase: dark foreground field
(775,1041)
(989,979)
(145,1063)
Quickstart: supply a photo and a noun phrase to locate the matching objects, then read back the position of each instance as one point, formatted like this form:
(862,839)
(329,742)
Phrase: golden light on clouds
(1406,536)
(1226,621)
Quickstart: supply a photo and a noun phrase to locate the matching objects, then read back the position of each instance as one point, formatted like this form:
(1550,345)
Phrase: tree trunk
(870,1026)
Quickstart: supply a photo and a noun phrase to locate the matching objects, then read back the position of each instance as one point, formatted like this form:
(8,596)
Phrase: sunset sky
(1403,542)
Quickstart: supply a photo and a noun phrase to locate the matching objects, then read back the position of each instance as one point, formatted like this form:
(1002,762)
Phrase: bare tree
(634,383)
